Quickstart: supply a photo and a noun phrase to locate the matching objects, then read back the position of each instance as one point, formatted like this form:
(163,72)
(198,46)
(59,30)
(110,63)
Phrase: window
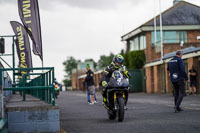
(157,38)
(182,36)
(138,43)
(169,37)
(134,44)
(142,42)
(131,45)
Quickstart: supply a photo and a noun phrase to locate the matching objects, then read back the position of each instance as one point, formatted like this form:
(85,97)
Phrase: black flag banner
(22,45)
(30,17)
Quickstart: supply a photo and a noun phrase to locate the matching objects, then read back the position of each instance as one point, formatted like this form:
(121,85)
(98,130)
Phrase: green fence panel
(137,81)
(41,87)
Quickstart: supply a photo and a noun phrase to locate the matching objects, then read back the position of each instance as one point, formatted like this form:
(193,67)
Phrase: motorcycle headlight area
(117,75)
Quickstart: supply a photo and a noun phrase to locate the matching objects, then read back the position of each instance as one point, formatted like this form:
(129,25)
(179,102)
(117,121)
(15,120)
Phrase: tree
(104,60)
(136,59)
(69,64)
(67,82)
(95,64)
(126,59)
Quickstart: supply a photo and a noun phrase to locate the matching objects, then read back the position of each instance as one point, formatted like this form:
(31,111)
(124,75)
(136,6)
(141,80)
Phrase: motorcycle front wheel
(121,109)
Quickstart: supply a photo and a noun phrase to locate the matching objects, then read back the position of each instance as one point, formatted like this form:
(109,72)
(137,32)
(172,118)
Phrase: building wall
(156,79)
(149,79)
(97,79)
(154,76)
(75,82)
(198,77)
(167,48)
(192,36)
(167,79)
(148,51)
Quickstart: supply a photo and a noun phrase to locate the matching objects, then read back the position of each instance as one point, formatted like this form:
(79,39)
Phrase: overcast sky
(82,28)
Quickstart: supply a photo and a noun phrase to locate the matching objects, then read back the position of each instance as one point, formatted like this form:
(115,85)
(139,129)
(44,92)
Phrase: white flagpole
(155,35)
(161,34)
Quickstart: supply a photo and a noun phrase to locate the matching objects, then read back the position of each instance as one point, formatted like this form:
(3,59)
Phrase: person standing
(88,93)
(178,77)
(192,75)
(89,81)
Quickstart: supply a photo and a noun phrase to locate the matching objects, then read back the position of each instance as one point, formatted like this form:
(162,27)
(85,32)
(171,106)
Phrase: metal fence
(41,86)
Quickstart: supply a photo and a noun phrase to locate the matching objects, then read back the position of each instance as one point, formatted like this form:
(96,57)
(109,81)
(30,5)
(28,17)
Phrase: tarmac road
(147,113)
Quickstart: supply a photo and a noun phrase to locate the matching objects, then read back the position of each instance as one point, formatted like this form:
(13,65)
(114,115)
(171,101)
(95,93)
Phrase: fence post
(46,84)
(53,80)
(24,83)
(2,95)
(50,91)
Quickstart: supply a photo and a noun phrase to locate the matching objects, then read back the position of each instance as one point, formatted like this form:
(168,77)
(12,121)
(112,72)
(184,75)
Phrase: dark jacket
(177,69)
(89,78)
(108,72)
(192,77)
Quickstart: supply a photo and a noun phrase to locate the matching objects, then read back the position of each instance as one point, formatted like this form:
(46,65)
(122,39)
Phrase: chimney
(176,2)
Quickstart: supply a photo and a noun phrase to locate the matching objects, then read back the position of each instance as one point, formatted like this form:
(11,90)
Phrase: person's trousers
(179,92)
(88,96)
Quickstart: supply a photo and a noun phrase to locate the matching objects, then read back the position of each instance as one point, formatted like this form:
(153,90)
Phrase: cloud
(98,4)
(87,4)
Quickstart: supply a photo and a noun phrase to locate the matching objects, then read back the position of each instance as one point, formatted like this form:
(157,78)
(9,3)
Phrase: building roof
(185,51)
(183,13)
(181,16)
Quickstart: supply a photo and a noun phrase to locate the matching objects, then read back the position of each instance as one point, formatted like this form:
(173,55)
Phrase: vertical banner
(22,45)
(30,17)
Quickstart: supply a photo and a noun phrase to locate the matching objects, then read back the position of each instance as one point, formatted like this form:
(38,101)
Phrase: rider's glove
(125,71)
(104,84)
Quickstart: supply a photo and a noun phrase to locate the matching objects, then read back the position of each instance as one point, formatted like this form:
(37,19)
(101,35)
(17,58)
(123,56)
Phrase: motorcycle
(117,95)
(57,90)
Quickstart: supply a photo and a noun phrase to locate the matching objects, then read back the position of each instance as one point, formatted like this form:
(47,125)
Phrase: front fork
(115,100)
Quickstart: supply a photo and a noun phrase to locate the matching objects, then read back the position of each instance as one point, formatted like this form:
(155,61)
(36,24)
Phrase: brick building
(181,30)
(78,75)
(97,78)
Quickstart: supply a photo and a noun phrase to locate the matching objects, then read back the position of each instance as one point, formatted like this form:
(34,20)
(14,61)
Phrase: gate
(138,80)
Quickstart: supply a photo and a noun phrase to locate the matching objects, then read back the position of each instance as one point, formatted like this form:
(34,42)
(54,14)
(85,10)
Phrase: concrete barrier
(32,115)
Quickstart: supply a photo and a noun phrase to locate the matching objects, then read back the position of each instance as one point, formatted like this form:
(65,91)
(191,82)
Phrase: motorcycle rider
(115,65)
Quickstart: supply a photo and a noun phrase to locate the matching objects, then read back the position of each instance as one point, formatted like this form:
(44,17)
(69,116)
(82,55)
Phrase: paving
(16,102)
(147,113)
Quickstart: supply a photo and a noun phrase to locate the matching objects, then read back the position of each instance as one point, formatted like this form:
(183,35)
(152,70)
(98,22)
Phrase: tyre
(111,115)
(121,109)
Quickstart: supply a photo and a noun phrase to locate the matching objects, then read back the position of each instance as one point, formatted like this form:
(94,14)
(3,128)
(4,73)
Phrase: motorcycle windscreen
(118,82)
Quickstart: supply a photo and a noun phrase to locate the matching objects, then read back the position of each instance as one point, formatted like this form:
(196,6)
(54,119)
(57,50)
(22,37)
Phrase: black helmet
(119,59)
